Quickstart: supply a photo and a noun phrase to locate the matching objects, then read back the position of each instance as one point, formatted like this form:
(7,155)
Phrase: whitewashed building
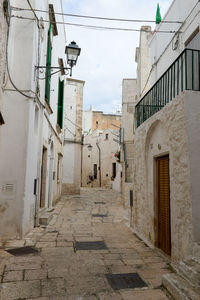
(73,108)
(100,167)
(3,38)
(129,99)
(167,166)
(31,106)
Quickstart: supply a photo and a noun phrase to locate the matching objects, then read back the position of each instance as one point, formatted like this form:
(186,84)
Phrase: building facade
(93,120)
(72,136)
(31,138)
(100,166)
(4,7)
(166,142)
(129,99)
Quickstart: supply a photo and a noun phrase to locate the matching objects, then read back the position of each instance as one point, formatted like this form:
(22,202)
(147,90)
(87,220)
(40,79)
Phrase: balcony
(183,74)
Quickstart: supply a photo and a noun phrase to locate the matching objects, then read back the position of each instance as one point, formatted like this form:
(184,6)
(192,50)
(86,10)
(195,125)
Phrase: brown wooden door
(163,205)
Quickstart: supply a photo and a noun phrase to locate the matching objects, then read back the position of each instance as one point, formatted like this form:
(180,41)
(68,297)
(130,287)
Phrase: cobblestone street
(61,271)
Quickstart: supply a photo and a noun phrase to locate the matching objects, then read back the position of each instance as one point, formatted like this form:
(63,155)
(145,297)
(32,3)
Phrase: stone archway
(156,147)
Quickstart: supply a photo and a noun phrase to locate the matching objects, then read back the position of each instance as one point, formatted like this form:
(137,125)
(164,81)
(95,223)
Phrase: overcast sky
(107,56)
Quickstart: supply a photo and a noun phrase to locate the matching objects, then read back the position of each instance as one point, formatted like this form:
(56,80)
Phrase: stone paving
(59,271)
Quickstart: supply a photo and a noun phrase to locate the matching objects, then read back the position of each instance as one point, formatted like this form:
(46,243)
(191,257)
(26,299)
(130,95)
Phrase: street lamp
(72,51)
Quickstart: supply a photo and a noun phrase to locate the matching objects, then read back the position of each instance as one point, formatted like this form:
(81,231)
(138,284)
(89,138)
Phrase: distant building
(100,165)
(93,120)
(129,99)
(143,60)
(72,125)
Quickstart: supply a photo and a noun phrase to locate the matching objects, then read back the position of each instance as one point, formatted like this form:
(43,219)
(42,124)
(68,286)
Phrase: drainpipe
(99,164)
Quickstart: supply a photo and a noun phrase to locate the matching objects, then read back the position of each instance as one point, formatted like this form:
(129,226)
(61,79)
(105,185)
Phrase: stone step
(190,270)
(45,218)
(179,288)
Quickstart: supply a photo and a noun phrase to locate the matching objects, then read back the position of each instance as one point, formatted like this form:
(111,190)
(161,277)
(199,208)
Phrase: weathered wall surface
(72,136)
(28,124)
(103,121)
(129,99)
(192,108)
(143,60)
(165,48)
(108,148)
(165,133)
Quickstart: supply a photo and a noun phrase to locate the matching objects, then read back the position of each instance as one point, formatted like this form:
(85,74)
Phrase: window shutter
(48,64)
(60,103)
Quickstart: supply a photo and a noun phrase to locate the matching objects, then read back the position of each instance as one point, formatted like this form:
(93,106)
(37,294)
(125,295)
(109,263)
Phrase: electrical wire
(96,18)
(73,123)
(7,65)
(31,9)
(95,27)
(69,131)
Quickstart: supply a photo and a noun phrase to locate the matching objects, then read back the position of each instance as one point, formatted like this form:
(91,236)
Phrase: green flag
(158,16)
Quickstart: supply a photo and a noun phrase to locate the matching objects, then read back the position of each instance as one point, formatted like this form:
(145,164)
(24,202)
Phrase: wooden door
(163,205)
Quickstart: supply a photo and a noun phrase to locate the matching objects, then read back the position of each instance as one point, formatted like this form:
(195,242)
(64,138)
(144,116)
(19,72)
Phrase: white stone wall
(143,59)
(72,136)
(163,48)
(170,131)
(28,124)
(107,150)
(87,121)
(129,99)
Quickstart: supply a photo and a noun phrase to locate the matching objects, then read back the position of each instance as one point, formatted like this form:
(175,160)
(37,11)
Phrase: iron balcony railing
(183,74)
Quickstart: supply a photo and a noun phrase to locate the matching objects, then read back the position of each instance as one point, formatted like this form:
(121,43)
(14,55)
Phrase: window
(106,136)
(97,123)
(48,64)
(1,119)
(60,103)
(95,171)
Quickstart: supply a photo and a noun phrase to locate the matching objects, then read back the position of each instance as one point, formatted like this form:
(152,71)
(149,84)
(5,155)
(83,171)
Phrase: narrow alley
(64,267)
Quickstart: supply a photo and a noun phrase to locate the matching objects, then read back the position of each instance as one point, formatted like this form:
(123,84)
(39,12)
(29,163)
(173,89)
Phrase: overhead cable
(95,17)
(96,27)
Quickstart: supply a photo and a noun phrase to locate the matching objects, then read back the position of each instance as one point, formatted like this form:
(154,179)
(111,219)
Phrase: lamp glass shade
(72,51)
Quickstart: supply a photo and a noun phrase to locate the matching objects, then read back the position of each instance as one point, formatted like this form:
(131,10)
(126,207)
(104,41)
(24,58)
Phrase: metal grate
(22,251)
(96,245)
(99,215)
(125,281)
